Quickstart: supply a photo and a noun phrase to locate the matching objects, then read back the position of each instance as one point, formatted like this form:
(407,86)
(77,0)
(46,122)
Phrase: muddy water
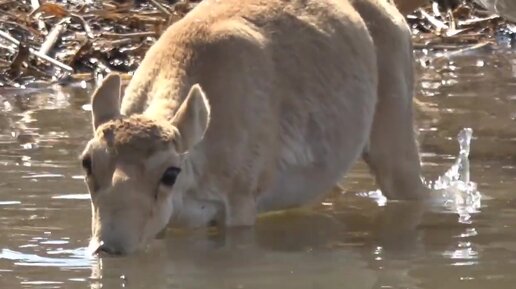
(348,241)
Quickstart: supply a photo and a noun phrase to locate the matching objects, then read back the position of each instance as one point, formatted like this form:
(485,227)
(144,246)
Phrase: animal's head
(133,167)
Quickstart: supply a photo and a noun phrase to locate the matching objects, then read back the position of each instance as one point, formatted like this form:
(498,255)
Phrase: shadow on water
(352,240)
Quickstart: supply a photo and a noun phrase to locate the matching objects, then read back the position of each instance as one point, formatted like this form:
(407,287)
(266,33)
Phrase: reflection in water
(78,258)
(352,240)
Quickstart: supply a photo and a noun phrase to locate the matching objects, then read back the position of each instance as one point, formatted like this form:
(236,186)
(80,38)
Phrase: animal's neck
(161,108)
(166,96)
(407,6)
(161,82)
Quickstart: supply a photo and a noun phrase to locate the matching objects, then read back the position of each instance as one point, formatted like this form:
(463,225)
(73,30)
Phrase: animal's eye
(86,164)
(169,176)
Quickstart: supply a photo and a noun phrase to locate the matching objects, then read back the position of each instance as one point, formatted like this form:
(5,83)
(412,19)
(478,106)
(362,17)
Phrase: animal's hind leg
(392,152)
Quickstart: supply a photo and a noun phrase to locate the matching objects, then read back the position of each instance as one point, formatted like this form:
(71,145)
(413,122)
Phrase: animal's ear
(192,119)
(105,102)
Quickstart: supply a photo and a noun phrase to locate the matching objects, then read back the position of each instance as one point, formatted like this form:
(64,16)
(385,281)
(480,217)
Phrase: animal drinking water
(248,106)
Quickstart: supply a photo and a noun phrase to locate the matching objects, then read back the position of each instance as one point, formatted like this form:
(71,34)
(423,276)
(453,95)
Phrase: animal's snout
(105,249)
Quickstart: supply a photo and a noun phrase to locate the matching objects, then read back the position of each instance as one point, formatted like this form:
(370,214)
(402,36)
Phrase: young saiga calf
(247,106)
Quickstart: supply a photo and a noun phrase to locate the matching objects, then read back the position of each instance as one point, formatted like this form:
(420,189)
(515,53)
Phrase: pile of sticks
(463,27)
(71,40)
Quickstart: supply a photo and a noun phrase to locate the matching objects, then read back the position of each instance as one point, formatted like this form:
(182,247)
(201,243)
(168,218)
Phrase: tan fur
(135,135)
(293,93)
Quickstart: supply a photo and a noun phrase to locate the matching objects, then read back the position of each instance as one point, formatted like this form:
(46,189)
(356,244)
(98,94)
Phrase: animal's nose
(105,249)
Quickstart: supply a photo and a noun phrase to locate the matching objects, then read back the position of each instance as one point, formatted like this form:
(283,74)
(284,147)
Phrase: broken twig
(36,53)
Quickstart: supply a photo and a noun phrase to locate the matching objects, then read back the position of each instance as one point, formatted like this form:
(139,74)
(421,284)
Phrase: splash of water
(454,189)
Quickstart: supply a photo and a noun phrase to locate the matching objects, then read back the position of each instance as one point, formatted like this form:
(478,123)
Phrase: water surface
(347,241)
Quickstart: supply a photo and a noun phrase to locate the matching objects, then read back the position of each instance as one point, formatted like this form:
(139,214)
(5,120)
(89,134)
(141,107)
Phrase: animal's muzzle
(104,249)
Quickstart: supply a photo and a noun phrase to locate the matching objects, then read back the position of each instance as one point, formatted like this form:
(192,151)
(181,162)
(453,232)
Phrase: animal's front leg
(240,209)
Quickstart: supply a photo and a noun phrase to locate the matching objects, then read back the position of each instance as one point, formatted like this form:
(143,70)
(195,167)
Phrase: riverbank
(76,40)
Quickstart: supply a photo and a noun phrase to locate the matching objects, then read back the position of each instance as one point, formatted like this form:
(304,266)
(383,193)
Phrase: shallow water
(350,240)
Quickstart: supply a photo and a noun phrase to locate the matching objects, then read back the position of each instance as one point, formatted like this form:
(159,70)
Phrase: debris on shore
(71,40)
(458,29)
(60,41)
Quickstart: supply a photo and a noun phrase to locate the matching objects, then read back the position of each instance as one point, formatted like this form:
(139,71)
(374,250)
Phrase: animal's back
(292,85)
(326,79)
